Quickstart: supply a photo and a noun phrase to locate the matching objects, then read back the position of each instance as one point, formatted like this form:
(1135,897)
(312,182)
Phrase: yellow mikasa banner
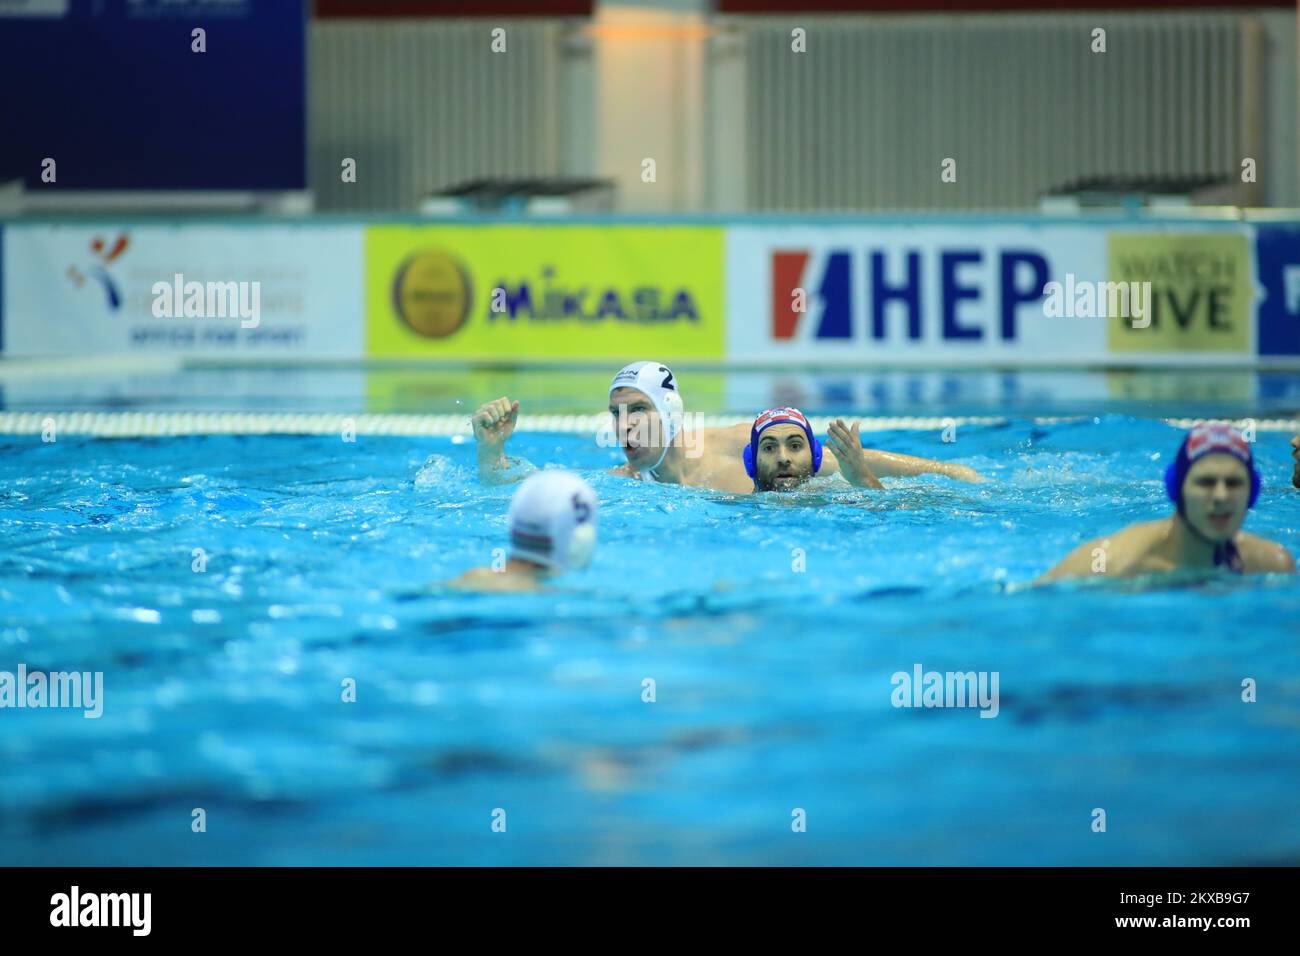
(517,292)
(1196,291)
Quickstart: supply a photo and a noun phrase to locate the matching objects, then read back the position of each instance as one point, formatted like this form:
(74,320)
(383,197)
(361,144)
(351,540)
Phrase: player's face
(784,458)
(1215,494)
(637,425)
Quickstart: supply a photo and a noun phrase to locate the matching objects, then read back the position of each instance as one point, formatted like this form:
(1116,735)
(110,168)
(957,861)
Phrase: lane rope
(164,424)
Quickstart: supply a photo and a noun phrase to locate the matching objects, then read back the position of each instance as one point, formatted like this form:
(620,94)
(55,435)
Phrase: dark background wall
(112,92)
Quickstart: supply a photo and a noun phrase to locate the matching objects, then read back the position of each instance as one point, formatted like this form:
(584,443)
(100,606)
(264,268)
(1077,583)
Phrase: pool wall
(919,291)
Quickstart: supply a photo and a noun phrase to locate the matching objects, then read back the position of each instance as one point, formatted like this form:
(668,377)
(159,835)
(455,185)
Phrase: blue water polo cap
(780,416)
(1209,439)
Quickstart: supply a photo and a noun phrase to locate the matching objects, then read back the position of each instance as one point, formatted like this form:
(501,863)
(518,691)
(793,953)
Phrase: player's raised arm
(494,423)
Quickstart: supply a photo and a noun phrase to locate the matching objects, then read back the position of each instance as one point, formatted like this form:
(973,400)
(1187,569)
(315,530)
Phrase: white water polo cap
(657,383)
(553,520)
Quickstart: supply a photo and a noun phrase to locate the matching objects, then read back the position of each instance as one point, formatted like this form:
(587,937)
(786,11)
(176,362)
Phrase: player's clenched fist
(494,422)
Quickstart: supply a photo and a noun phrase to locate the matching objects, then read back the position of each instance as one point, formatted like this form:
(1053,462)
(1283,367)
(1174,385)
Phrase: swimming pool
(222,687)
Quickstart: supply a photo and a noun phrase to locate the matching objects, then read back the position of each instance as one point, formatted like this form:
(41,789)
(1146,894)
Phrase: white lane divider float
(164,424)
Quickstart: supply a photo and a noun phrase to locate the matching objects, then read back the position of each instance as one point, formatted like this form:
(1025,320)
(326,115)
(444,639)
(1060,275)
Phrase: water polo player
(552,522)
(783,453)
(1212,483)
(648,423)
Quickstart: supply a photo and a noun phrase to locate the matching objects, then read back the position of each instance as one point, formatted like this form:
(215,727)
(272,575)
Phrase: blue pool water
(223,687)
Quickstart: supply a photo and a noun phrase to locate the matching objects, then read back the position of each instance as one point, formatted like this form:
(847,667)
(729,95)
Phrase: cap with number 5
(553,520)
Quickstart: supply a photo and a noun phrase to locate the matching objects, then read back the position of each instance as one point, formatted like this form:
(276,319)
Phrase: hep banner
(610,293)
(897,294)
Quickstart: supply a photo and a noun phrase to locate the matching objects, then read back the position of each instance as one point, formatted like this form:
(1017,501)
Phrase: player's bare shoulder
(1262,556)
(1123,552)
(1133,550)
(728,440)
(723,473)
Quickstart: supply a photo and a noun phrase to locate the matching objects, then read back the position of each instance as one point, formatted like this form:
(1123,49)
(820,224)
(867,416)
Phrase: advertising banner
(986,294)
(1277,263)
(609,293)
(1198,288)
(210,291)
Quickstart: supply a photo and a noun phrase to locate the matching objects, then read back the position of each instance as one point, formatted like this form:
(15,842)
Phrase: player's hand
(965,473)
(494,422)
(846,443)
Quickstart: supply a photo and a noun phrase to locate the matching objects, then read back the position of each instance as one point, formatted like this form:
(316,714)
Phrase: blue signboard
(1277,264)
(126,94)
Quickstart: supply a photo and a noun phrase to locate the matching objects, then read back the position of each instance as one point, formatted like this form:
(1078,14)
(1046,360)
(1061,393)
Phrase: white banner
(943,294)
(270,291)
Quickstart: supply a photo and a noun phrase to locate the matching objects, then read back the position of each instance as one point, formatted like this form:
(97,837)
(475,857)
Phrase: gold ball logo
(431,294)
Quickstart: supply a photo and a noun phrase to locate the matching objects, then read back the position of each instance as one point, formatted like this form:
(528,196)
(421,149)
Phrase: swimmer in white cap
(648,419)
(646,406)
(552,530)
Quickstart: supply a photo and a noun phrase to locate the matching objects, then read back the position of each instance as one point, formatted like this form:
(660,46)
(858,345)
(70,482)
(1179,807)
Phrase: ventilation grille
(423,105)
(864,118)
